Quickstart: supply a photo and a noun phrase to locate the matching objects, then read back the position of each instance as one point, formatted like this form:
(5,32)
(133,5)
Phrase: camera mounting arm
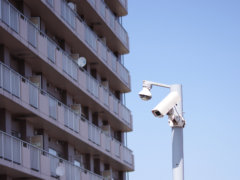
(150,84)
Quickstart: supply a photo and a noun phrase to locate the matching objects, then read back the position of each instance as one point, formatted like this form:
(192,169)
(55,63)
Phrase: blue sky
(195,43)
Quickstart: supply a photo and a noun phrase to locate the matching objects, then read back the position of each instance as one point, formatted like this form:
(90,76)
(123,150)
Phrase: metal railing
(71,119)
(113,20)
(69,66)
(11,149)
(90,36)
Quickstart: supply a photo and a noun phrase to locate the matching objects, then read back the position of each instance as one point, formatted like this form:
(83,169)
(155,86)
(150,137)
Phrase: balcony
(25,41)
(25,97)
(108,25)
(35,162)
(65,23)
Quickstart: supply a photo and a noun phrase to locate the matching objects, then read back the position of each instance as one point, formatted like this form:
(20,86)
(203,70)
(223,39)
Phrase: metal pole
(177,140)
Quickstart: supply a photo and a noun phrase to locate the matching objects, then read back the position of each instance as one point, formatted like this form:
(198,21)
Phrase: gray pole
(177,140)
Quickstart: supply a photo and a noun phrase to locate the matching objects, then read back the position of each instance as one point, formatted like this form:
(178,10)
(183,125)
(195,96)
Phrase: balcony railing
(110,19)
(59,112)
(19,152)
(62,61)
(70,16)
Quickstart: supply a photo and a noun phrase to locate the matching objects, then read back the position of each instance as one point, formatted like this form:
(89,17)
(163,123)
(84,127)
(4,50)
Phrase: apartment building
(62,85)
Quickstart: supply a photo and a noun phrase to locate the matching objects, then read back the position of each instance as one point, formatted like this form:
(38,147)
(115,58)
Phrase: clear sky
(195,43)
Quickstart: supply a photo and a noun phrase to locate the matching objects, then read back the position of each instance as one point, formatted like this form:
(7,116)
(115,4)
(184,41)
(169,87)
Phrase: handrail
(58,102)
(97,38)
(48,154)
(59,48)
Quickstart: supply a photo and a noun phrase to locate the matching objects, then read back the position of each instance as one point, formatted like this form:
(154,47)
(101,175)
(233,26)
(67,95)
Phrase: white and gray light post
(171,106)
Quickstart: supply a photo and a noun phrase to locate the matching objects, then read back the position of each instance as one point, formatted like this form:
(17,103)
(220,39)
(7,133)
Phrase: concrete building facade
(62,118)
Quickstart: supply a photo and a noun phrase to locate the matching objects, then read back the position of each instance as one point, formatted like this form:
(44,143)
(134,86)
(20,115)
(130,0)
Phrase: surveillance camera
(145,94)
(166,105)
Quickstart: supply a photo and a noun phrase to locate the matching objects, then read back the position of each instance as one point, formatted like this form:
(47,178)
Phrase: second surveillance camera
(165,106)
(145,94)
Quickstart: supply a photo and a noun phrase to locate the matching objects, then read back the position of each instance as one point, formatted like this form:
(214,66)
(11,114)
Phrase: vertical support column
(5,121)
(177,140)
(4,55)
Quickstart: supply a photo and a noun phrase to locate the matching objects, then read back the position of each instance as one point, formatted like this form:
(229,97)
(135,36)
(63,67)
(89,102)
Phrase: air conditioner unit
(37,141)
(72,6)
(36,80)
(107,174)
(77,108)
(106,129)
(75,56)
(36,21)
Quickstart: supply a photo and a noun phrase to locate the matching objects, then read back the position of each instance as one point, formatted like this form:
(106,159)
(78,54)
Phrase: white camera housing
(145,94)
(167,104)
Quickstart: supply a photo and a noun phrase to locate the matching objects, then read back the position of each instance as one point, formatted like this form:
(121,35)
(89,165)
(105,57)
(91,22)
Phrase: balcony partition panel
(33,95)
(67,14)
(107,143)
(102,50)
(32,34)
(90,38)
(105,96)
(5,12)
(52,107)
(14,22)
(16,151)
(115,105)
(116,148)
(69,66)
(111,18)
(35,158)
(51,51)
(94,134)
(102,8)
(54,161)
(113,61)
(92,86)
(73,172)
